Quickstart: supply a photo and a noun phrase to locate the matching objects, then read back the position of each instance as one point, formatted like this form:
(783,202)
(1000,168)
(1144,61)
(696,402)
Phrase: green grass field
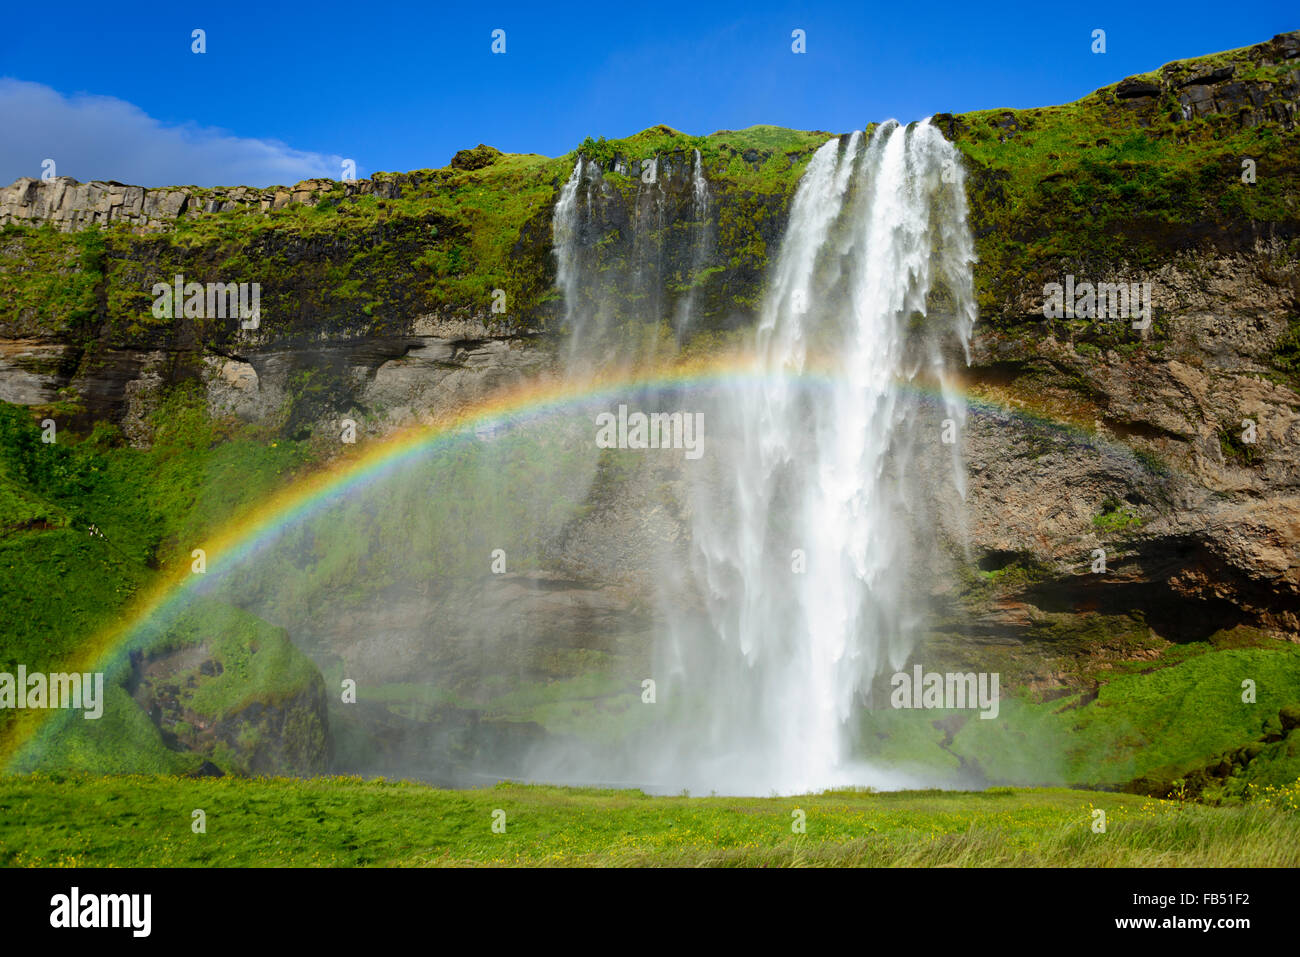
(85,821)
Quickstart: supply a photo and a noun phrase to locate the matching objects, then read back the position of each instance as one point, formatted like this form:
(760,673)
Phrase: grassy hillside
(1176,725)
(61,582)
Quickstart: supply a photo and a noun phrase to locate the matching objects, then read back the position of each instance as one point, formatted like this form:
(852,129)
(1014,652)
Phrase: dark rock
(1290,717)
(207,770)
(1198,99)
(1233,96)
(1133,87)
(1209,76)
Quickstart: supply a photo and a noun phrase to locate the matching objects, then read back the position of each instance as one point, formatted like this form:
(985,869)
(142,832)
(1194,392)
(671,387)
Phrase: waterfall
(701,244)
(564,242)
(647,241)
(626,264)
(813,521)
(566,228)
(813,534)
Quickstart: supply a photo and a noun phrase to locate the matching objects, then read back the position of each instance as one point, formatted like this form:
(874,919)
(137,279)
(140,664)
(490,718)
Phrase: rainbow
(359,466)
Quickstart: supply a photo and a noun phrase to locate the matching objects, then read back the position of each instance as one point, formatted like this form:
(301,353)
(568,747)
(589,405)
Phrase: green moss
(122,741)
(1153,463)
(1286,354)
(1236,450)
(257,661)
(49,280)
(1116,517)
(1174,717)
(255,664)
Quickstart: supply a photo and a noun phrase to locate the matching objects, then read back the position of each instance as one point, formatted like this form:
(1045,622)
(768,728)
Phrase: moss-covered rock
(224,684)
(477,158)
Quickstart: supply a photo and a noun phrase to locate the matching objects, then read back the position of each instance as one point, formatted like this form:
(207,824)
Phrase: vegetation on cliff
(1202,155)
(87,525)
(424,242)
(216,685)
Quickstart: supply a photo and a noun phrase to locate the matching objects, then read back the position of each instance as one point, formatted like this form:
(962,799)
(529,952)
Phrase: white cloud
(101,137)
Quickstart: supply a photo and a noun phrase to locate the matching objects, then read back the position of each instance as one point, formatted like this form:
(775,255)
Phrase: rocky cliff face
(1241,88)
(69,205)
(1143,452)
(1171,446)
(389,294)
(379,380)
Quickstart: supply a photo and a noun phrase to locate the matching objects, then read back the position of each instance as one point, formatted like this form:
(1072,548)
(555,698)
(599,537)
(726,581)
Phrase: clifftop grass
(1113,180)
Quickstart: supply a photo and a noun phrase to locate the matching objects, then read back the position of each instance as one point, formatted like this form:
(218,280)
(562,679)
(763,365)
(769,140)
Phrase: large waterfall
(813,563)
(813,523)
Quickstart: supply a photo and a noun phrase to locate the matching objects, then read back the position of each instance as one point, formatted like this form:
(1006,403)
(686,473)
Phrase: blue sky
(113,91)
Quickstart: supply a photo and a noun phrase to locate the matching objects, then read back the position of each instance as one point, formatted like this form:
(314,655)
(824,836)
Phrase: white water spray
(813,520)
(813,561)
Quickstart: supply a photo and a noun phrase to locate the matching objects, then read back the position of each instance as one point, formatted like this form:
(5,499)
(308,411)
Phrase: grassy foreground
(86,821)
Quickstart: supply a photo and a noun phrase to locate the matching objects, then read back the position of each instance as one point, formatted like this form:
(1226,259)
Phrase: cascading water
(792,572)
(566,228)
(701,242)
(814,517)
(647,288)
(622,266)
(813,530)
